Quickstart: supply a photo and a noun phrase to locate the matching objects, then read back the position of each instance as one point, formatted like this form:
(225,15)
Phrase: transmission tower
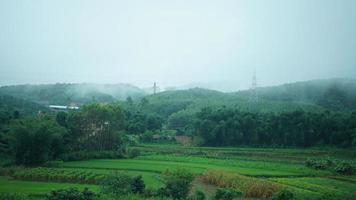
(154,88)
(254,94)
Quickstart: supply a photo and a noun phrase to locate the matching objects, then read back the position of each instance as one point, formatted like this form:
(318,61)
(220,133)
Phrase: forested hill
(334,94)
(79,94)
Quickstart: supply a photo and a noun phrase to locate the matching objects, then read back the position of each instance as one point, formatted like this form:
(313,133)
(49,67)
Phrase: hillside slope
(65,94)
(335,94)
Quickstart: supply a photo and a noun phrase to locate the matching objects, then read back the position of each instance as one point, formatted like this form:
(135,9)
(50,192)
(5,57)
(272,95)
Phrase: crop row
(58,175)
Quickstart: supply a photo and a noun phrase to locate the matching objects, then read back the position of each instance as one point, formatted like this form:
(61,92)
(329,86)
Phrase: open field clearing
(37,188)
(158,163)
(319,185)
(246,173)
(269,154)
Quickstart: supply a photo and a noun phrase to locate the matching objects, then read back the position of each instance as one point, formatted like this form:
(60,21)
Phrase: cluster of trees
(34,140)
(228,127)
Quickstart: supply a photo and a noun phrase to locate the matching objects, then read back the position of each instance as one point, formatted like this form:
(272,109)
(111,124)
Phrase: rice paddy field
(283,168)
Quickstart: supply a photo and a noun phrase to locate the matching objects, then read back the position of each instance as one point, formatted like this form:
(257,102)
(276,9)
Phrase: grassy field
(283,167)
(33,187)
(160,163)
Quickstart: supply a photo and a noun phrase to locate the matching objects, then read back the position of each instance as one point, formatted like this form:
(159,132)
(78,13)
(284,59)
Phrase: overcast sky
(176,42)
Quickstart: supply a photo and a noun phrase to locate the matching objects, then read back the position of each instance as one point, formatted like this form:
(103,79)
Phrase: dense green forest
(295,116)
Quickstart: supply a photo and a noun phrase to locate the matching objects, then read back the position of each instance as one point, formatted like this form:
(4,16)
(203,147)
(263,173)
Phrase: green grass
(160,163)
(282,166)
(319,185)
(32,187)
(296,155)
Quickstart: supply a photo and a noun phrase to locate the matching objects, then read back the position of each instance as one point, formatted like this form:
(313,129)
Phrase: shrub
(199,195)
(344,168)
(133,153)
(122,184)
(341,167)
(319,164)
(177,184)
(283,195)
(137,185)
(118,185)
(70,194)
(227,194)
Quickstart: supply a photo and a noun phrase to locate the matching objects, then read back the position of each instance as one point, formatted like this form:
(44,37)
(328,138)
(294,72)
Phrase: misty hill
(9,105)
(334,94)
(178,108)
(66,94)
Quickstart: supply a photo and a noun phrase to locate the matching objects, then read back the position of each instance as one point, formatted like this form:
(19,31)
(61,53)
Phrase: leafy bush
(122,184)
(341,167)
(199,195)
(118,185)
(137,185)
(133,153)
(227,194)
(283,195)
(344,168)
(70,194)
(177,184)
(319,164)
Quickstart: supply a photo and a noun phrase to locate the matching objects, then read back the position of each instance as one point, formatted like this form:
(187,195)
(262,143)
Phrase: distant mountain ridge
(334,94)
(65,94)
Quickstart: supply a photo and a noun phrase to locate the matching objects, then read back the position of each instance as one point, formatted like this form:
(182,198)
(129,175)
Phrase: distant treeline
(228,127)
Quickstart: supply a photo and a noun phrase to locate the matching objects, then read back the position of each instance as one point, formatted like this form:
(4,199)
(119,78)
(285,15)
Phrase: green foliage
(227,194)
(339,166)
(319,163)
(96,127)
(177,184)
(12,196)
(86,155)
(228,127)
(36,140)
(198,195)
(118,185)
(283,195)
(71,194)
(122,184)
(345,168)
(137,185)
(133,153)
(57,175)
